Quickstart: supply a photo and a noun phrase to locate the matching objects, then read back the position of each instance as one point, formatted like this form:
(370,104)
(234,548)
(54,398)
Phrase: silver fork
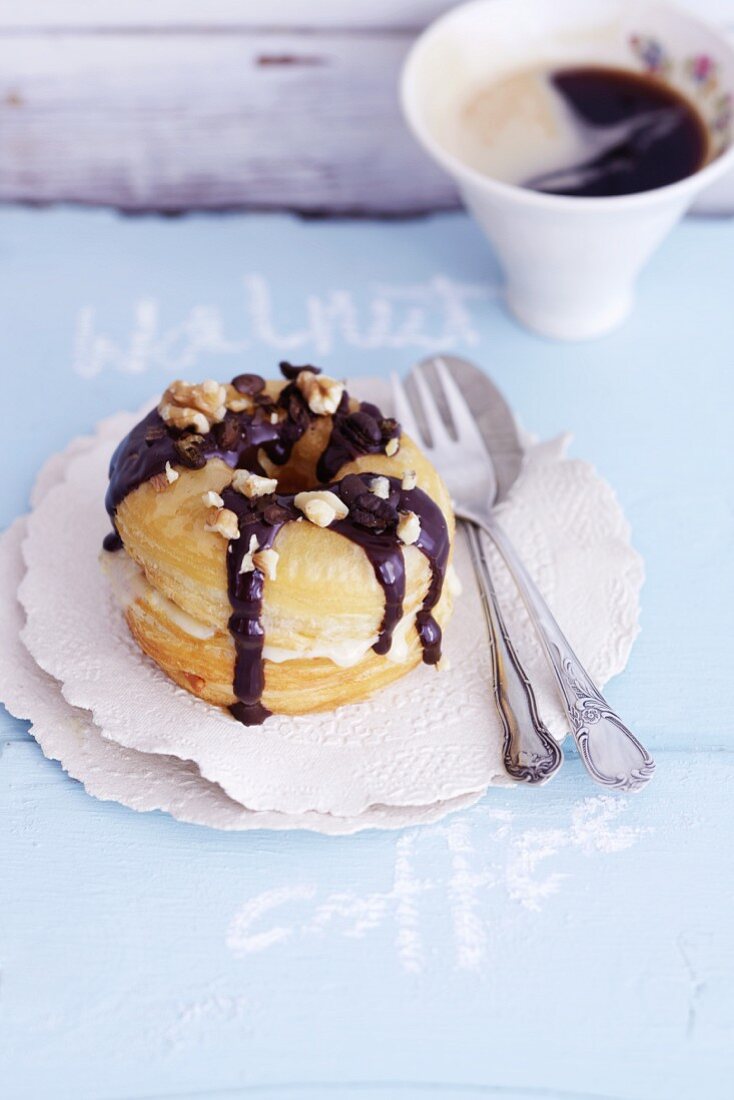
(530,753)
(612,754)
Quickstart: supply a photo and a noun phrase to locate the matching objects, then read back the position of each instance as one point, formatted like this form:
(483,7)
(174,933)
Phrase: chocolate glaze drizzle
(364,432)
(371,524)
(152,443)
(262,518)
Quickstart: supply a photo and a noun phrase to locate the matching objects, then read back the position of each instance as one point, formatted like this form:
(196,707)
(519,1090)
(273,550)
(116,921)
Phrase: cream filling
(129,583)
(346,653)
(399,650)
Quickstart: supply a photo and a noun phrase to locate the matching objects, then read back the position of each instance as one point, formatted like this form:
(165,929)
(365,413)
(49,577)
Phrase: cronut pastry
(278,547)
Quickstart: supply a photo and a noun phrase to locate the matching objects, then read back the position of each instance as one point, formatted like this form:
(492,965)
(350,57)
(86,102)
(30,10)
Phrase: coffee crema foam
(585,131)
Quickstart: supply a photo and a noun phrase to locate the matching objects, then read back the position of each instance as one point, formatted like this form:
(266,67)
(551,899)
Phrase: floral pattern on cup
(723,115)
(703,71)
(696,76)
(651,53)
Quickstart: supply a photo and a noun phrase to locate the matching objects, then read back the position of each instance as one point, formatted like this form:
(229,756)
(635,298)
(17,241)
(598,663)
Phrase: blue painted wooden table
(550,943)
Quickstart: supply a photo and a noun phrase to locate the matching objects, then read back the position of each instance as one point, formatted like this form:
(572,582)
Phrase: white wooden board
(283,14)
(165,105)
(177,121)
(168,14)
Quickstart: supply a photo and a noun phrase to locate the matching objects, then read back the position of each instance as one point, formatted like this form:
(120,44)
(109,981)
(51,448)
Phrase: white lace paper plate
(139,780)
(431,739)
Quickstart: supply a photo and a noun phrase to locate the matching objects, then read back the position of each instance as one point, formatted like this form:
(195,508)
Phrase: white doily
(429,739)
(139,780)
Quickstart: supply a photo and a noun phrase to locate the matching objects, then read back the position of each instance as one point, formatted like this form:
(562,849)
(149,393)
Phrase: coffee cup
(570,263)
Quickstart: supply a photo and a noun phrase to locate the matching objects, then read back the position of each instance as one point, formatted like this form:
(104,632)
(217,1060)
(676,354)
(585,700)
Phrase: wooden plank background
(168,106)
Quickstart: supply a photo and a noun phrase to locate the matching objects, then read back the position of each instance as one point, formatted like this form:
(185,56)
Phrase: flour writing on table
(427,316)
(439,867)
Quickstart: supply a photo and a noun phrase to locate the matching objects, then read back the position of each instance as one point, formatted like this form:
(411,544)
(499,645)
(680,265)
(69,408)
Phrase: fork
(530,753)
(610,751)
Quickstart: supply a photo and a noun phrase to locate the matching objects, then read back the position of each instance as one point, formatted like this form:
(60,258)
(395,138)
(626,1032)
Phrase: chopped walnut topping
(410,480)
(197,406)
(322,394)
(159,483)
(223,521)
(321,507)
(212,499)
(274,418)
(248,564)
(392,447)
(253,485)
(184,417)
(409,528)
(196,683)
(267,562)
(237,402)
(380,486)
(166,477)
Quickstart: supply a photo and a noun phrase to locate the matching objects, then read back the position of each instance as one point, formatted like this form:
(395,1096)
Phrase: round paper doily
(431,738)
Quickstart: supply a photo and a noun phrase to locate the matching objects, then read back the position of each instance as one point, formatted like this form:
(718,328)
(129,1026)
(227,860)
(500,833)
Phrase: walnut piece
(166,477)
(223,521)
(212,499)
(184,417)
(159,483)
(194,405)
(321,506)
(322,393)
(392,447)
(267,562)
(253,485)
(410,480)
(247,565)
(409,528)
(380,486)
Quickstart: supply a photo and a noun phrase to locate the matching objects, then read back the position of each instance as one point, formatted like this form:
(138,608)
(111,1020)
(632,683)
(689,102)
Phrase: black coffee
(639,133)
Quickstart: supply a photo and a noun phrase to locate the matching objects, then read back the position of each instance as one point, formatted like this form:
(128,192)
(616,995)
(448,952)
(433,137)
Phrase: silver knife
(611,753)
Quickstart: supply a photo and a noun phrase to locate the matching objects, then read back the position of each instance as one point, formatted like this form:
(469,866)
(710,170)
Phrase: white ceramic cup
(570,264)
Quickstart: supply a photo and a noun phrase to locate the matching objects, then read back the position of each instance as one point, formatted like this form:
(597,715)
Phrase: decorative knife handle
(611,752)
(530,753)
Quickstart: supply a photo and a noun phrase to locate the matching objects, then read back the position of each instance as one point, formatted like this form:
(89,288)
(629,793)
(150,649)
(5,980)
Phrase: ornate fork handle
(611,752)
(531,755)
